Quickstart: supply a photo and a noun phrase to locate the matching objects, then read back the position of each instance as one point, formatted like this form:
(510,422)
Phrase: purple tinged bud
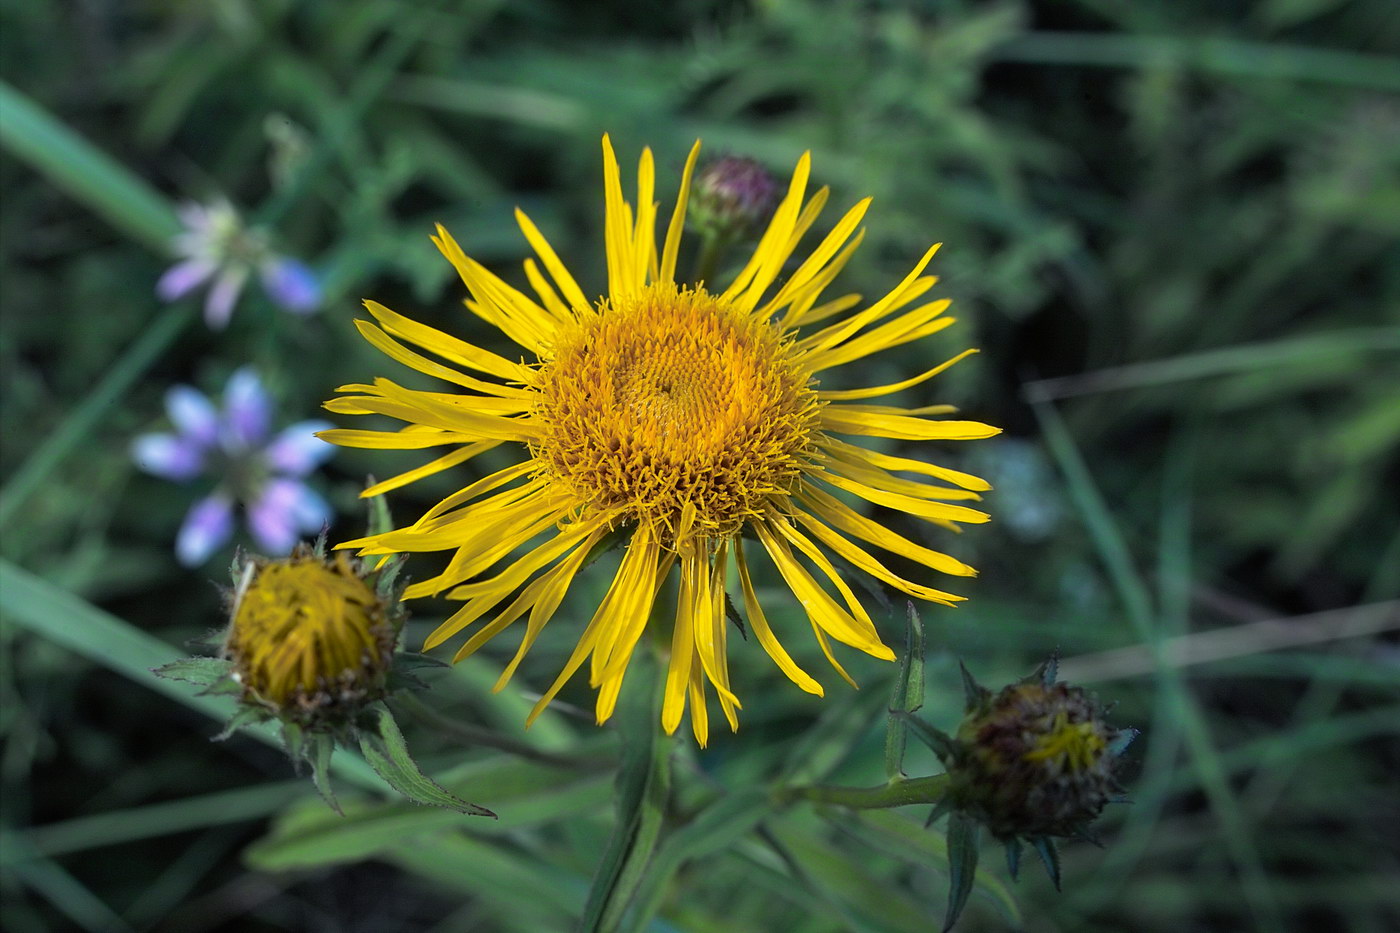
(291,284)
(732,197)
(207,526)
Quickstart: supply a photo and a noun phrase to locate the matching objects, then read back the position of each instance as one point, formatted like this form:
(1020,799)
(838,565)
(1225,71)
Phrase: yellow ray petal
(859,557)
(448,347)
(445,462)
(774,247)
(548,296)
(839,515)
(393,440)
(804,544)
(551,595)
(885,461)
(667,272)
(644,237)
(759,623)
(617,228)
(818,604)
(572,293)
(915,325)
(900,427)
(861,470)
(682,653)
(814,263)
(938,511)
(841,395)
(390,347)
(699,714)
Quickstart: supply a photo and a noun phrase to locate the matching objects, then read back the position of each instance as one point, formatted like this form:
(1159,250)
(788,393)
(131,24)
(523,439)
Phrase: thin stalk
(900,792)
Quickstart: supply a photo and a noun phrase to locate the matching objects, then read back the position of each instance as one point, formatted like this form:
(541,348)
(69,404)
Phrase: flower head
(680,417)
(734,196)
(216,244)
(310,639)
(1035,759)
(254,467)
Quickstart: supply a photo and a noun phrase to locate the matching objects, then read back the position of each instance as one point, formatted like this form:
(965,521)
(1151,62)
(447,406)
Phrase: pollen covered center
(675,398)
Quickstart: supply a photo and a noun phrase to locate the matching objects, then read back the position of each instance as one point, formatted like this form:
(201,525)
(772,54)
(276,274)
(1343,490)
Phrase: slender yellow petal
(887,462)
(449,348)
(445,462)
(835,418)
(759,623)
(841,395)
(572,293)
(617,229)
(839,515)
(667,272)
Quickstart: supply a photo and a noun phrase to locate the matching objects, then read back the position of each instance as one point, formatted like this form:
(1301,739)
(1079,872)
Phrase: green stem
(712,250)
(900,792)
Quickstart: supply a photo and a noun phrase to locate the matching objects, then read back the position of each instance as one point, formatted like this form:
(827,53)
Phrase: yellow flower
(684,416)
(308,637)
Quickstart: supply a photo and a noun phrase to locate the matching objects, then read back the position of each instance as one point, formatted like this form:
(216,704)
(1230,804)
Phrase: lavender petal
(218,307)
(272,516)
(291,284)
(168,456)
(193,414)
(180,278)
(207,525)
(247,411)
(297,450)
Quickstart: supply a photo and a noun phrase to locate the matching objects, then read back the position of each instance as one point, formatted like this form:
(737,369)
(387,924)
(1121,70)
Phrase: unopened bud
(733,197)
(309,638)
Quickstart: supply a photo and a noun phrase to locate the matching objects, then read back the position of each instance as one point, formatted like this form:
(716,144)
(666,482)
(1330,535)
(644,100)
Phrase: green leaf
(908,695)
(643,784)
(386,751)
(1013,857)
(1049,854)
(88,174)
(962,864)
(943,745)
(202,672)
(319,754)
(714,829)
(974,694)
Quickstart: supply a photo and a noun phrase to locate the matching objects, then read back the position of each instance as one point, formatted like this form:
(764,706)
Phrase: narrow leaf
(943,745)
(1049,854)
(202,672)
(322,747)
(974,694)
(1013,857)
(387,753)
(908,694)
(962,865)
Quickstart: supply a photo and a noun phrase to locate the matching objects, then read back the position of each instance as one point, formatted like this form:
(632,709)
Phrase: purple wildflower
(216,246)
(260,470)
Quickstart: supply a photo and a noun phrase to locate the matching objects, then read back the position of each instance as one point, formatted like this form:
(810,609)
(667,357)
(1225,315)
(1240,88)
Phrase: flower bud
(733,197)
(1035,760)
(309,638)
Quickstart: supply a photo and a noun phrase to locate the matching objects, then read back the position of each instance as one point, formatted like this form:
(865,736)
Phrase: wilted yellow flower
(309,637)
(684,415)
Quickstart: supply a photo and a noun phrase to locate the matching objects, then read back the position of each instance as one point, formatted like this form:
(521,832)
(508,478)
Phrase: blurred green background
(1173,229)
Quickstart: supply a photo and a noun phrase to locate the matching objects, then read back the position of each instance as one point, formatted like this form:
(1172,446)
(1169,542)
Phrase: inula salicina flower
(216,245)
(251,465)
(680,417)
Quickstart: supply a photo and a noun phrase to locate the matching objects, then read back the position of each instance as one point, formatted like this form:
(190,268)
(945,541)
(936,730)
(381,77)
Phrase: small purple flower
(262,472)
(217,247)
